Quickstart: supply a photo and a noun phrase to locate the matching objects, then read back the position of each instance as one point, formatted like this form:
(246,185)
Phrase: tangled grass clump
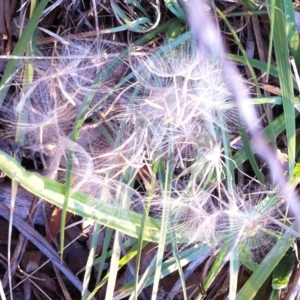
(176,112)
(141,138)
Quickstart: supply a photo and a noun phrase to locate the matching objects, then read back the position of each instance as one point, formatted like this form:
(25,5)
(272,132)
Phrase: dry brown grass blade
(24,204)
(22,242)
(5,26)
(42,245)
(62,284)
(15,260)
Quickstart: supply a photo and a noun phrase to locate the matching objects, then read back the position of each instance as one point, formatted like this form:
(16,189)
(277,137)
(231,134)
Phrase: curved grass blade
(218,264)
(123,18)
(80,203)
(260,65)
(251,4)
(176,9)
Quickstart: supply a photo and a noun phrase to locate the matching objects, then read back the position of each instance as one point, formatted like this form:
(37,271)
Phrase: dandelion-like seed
(183,84)
(252,223)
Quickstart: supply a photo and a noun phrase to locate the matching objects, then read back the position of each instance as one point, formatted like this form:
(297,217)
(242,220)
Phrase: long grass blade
(285,79)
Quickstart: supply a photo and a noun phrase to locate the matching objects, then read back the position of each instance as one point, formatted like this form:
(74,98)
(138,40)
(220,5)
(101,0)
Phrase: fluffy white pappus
(82,163)
(42,126)
(201,224)
(180,83)
(41,121)
(77,69)
(193,217)
(207,34)
(252,224)
(206,219)
(85,67)
(196,152)
(113,192)
(161,64)
(200,166)
(189,142)
(103,168)
(114,152)
(212,161)
(181,101)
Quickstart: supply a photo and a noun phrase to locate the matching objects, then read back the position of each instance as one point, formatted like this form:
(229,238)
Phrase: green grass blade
(249,153)
(228,156)
(241,48)
(90,261)
(107,239)
(283,271)
(292,32)
(251,4)
(285,79)
(260,65)
(27,79)
(233,275)
(246,258)
(143,225)
(221,259)
(176,9)
(277,127)
(114,266)
(13,65)
(179,267)
(196,252)
(66,201)
(14,190)
(125,18)
(106,254)
(143,280)
(83,205)
(121,263)
(271,9)
(79,203)
(140,7)
(267,266)
(165,178)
